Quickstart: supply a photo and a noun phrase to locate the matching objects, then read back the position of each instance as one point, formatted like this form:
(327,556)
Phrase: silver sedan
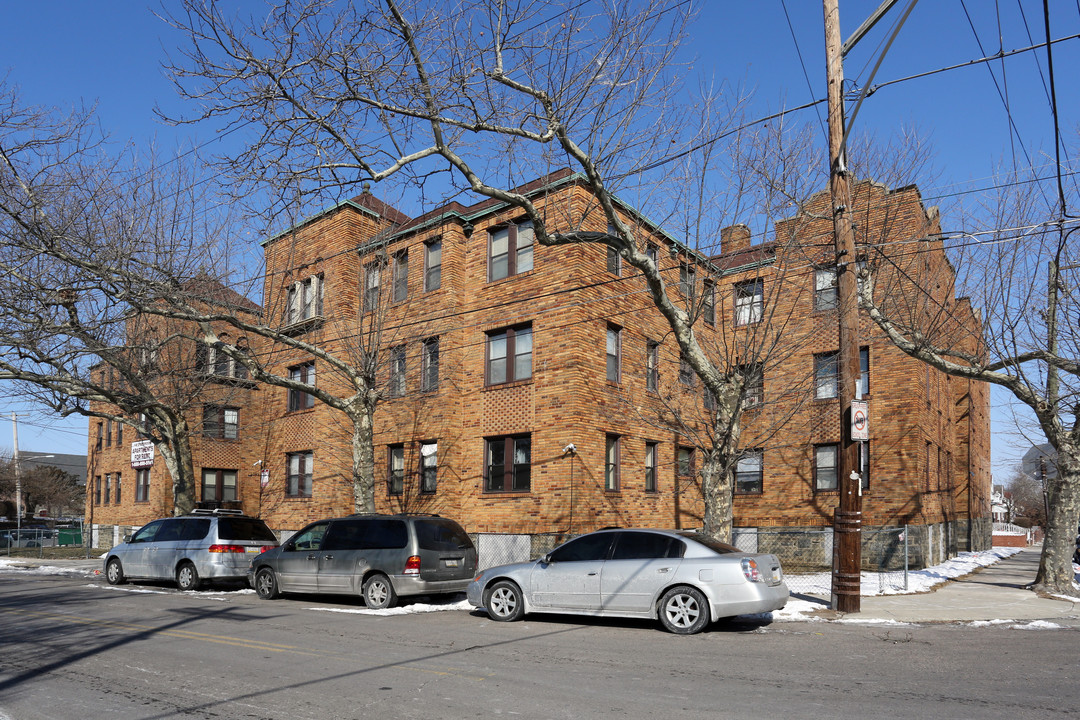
(685,579)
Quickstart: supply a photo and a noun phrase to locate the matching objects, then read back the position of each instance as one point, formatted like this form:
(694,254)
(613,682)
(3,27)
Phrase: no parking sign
(860,420)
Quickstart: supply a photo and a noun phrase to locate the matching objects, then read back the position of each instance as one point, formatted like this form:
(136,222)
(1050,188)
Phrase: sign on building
(142,453)
(860,420)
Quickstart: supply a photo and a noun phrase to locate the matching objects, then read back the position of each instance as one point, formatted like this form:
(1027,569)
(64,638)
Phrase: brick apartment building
(531,389)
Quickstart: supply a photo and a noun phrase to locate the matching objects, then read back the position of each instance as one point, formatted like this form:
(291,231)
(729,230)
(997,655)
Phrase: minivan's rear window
(441,534)
(235,528)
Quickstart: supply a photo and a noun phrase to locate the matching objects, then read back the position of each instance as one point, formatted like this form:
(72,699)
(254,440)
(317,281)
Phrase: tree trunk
(1063,498)
(717,489)
(363,450)
(176,452)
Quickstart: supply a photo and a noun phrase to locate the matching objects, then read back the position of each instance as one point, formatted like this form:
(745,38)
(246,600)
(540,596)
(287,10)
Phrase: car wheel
(379,593)
(114,572)
(266,584)
(684,610)
(187,577)
(504,602)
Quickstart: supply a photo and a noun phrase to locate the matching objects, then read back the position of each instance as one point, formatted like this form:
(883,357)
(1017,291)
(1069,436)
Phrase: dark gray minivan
(380,557)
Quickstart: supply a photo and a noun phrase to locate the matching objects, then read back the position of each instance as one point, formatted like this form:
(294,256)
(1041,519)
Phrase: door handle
(312,557)
(662,570)
(328,557)
(593,572)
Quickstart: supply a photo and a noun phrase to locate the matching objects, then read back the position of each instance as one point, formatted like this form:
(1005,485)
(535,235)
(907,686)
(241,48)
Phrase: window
(142,485)
(401,275)
(100,436)
(825,289)
(710,400)
(510,251)
(429,466)
(687,274)
(509,355)
(298,399)
(508,464)
(97,489)
(395,470)
(433,265)
(304,300)
(650,466)
(372,280)
(708,302)
(652,366)
(686,372)
(749,473)
(221,422)
(218,485)
(685,462)
(652,254)
(614,352)
(630,545)
(864,371)
(614,260)
(587,548)
(116,492)
(119,433)
(611,464)
(429,365)
(108,433)
(108,488)
(144,425)
(861,266)
(826,377)
(218,363)
(753,385)
(397,371)
(298,473)
(825,466)
(749,302)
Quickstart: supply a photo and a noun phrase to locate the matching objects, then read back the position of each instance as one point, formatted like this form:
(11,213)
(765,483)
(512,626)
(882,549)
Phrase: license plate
(251,550)
(452,563)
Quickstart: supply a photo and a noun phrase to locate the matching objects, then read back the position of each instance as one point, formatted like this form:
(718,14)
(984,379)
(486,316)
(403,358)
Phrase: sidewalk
(995,592)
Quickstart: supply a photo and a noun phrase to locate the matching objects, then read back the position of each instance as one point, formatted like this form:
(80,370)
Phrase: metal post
(18,477)
(847,521)
(906,563)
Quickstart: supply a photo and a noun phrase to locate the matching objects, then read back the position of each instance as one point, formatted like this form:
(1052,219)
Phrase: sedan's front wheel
(684,610)
(504,602)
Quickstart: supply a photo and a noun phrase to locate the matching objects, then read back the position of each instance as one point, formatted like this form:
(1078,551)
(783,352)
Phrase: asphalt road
(73,648)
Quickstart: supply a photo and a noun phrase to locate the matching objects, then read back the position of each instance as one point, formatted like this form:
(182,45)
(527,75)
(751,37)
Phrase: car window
(642,546)
(171,530)
(441,534)
(196,529)
(345,535)
(147,532)
(309,538)
(587,547)
(244,528)
(715,545)
(385,533)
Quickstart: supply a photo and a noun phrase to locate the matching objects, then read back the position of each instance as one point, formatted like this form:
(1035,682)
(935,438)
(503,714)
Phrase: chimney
(734,238)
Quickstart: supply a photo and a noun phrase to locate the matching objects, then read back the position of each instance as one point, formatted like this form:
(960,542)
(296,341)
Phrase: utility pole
(847,520)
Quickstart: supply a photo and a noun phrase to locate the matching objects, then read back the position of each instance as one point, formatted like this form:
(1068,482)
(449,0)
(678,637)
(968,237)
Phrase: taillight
(750,570)
(412,565)
(264,548)
(227,549)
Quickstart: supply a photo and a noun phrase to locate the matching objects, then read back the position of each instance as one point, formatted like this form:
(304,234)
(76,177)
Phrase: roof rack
(215,511)
(400,514)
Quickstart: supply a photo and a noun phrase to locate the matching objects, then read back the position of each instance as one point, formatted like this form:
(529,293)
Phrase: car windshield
(236,528)
(715,545)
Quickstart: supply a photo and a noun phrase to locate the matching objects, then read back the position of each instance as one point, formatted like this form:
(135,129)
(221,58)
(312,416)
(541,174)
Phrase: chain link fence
(806,554)
(28,541)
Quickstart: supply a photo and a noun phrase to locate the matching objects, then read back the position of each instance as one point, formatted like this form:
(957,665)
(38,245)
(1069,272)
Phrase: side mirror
(546,559)
(127,538)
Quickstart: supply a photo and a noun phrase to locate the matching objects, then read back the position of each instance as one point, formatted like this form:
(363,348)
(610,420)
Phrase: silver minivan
(381,557)
(206,545)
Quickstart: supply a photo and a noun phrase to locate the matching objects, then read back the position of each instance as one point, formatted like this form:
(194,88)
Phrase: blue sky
(63,52)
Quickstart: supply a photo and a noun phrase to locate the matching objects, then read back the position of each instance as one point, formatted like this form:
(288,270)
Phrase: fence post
(906,529)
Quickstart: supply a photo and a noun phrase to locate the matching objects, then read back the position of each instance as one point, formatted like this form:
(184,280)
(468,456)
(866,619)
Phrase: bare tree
(478,96)
(1017,263)
(1027,498)
(85,239)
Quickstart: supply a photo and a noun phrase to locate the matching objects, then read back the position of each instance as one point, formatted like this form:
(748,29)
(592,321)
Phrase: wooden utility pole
(847,520)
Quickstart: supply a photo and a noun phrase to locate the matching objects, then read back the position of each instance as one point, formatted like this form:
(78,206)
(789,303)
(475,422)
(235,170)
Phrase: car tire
(114,572)
(266,584)
(187,577)
(504,602)
(379,592)
(684,610)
